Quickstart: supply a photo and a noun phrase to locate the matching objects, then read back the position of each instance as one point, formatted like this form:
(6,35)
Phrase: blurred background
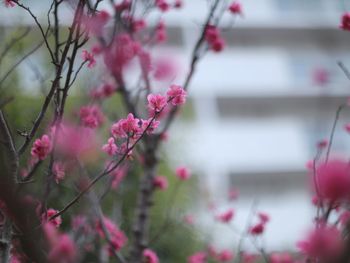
(256,111)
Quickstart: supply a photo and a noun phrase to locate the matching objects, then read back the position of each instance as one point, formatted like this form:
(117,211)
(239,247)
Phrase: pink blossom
(164,69)
(126,127)
(57,221)
(156,102)
(104,91)
(58,169)
(225,256)
(160,32)
(215,41)
(77,141)
(347,127)
(322,144)
(9,3)
(233,194)
(124,5)
(344,217)
(281,258)
(333,179)
(189,219)
(199,257)
(178,4)
(264,218)
(41,147)
(89,57)
(118,239)
(110,148)
(345,22)
(323,242)
(151,125)
(177,95)
(63,250)
(218,45)
(160,182)
(150,256)
(183,173)
(236,8)
(162,5)
(145,61)
(15,258)
(118,176)
(138,25)
(226,216)
(248,258)
(320,76)
(91,116)
(257,229)
(119,55)
(96,23)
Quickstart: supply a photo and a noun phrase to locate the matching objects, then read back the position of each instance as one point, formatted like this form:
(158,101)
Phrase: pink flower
(89,57)
(161,35)
(218,45)
(9,3)
(320,76)
(215,41)
(118,176)
(225,256)
(138,25)
(324,242)
(264,218)
(58,169)
(164,69)
(248,258)
(77,141)
(199,257)
(63,250)
(145,61)
(124,5)
(118,239)
(226,216)
(333,179)
(156,102)
(344,217)
(110,148)
(183,173)
(189,219)
(150,256)
(178,4)
(104,91)
(119,55)
(177,95)
(235,8)
(281,258)
(160,182)
(151,127)
(162,5)
(57,221)
(41,147)
(126,127)
(96,23)
(345,22)
(91,116)
(347,127)
(257,229)
(233,194)
(322,144)
(211,33)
